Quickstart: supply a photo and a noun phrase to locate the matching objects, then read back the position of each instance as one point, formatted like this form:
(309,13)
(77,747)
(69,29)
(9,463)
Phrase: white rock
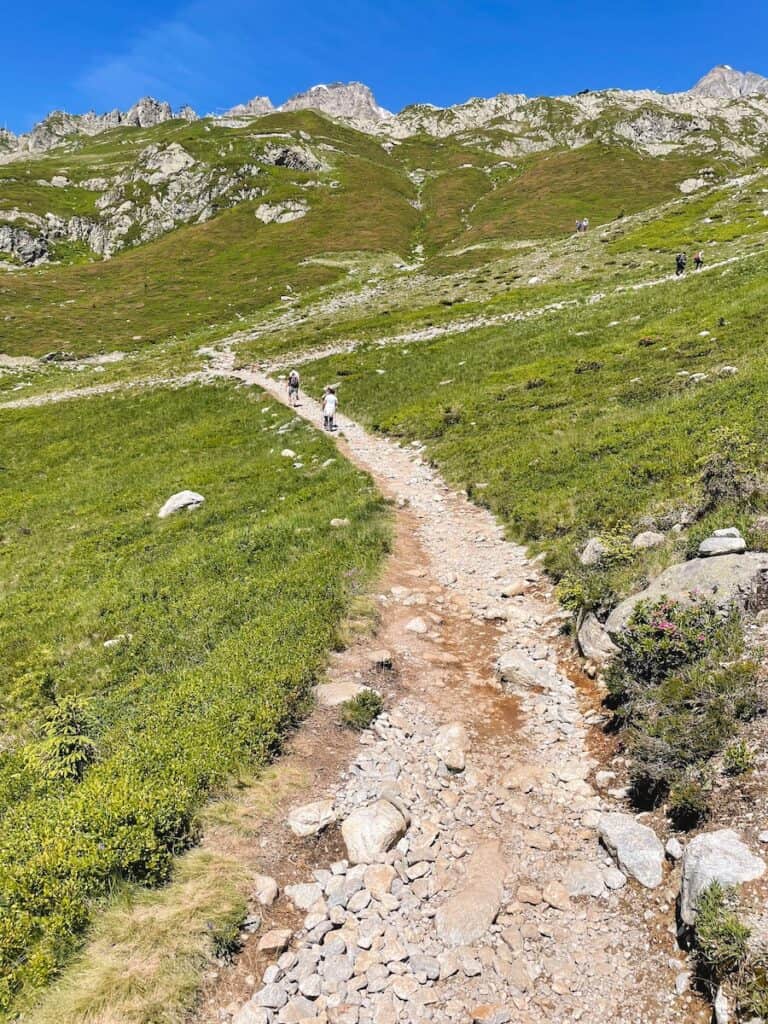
(265,890)
(714,857)
(304,896)
(288,453)
(417,625)
(635,848)
(451,746)
(674,848)
(729,531)
(183,500)
(370,831)
(312,818)
(594,552)
(648,539)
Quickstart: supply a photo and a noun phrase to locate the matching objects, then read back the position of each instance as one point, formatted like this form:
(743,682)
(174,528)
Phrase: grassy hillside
(582,419)
(222,619)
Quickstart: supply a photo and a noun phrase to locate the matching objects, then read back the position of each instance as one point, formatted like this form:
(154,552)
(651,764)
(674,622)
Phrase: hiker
(680,263)
(329,408)
(293,388)
(585,225)
(579,226)
(698,260)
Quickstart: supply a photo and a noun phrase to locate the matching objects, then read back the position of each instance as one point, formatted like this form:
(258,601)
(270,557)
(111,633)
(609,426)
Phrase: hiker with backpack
(681,261)
(698,260)
(330,403)
(293,388)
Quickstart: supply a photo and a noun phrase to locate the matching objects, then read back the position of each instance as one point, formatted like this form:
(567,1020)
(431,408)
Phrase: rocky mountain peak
(723,82)
(256,107)
(353,101)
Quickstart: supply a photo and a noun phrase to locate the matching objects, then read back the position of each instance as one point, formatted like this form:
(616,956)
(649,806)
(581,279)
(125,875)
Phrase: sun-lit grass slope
(227,267)
(584,418)
(221,619)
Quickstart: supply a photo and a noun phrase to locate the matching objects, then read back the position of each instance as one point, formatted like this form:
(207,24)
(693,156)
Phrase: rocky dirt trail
(465,882)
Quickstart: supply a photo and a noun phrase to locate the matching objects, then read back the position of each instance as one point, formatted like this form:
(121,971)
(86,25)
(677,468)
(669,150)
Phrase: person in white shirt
(329,408)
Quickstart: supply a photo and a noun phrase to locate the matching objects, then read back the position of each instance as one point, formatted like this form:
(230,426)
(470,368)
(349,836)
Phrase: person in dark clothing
(681,261)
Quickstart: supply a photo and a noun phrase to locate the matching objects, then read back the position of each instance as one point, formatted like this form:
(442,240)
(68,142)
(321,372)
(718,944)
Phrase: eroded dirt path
(572,940)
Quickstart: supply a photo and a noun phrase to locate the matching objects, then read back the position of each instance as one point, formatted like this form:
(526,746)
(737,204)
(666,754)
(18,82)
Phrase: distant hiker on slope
(329,408)
(681,261)
(698,260)
(293,388)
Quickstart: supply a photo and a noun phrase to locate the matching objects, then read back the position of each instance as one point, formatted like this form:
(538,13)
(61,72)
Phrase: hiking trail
(511,837)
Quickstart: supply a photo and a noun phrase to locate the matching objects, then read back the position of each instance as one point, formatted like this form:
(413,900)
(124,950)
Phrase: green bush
(688,802)
(361,711)
(738,759)
(727,473)
(661,638)
(721,938)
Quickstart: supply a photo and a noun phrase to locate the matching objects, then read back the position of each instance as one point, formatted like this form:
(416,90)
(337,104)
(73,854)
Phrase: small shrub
(688,802)
(738,759)
(588,366)
(721,938)
(67,750)
(661,638)
(361,711)
(726,474)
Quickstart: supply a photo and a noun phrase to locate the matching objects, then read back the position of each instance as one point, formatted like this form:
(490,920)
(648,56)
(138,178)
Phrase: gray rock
(635,848)
(721,1008)
(183,500)
(451,746)
(516,671)
(674,848)
(614,878)
(594,642)
(272,997)
(251,1014)
(370,831)
(304,896)
(729,531)
(583,878)
(714,857)
(467,916)
(594,552)
(714,547)
(310,819)
(740,580)
(331,695)
(648,539)
(296,1010)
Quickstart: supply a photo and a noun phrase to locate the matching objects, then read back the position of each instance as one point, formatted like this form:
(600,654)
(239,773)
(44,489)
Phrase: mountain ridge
(355,103)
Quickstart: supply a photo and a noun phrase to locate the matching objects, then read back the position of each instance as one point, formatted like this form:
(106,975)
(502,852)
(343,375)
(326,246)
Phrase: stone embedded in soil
(188,500)
(417,625)
(451,746)
(635,848)
(714,857)
(275,941)
(331,695)
(381,659)
(310,819)
(304,896)
(265,890)
(370,831)
(468,915)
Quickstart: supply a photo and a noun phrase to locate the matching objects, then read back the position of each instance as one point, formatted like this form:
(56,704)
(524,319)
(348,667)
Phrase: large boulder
(730,579)
(714,857)
(635,848)
(594,642)
(370,831)
(183,500)
(466,917)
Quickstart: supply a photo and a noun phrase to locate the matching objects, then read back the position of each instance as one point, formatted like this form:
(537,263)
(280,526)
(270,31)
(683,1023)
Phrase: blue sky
(78,55)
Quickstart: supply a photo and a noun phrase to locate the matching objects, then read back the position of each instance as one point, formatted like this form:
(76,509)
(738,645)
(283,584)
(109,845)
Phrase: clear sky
(77,55)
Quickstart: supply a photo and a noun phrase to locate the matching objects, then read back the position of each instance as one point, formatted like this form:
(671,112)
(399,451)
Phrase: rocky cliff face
(723,82)
(353,102)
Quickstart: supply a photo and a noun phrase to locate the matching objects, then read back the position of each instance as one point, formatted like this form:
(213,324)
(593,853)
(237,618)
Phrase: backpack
(293,379)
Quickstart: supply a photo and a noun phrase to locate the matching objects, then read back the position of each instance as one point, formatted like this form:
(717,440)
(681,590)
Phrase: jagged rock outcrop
(256,107)
(723,82)
(23,246)
(351,102)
